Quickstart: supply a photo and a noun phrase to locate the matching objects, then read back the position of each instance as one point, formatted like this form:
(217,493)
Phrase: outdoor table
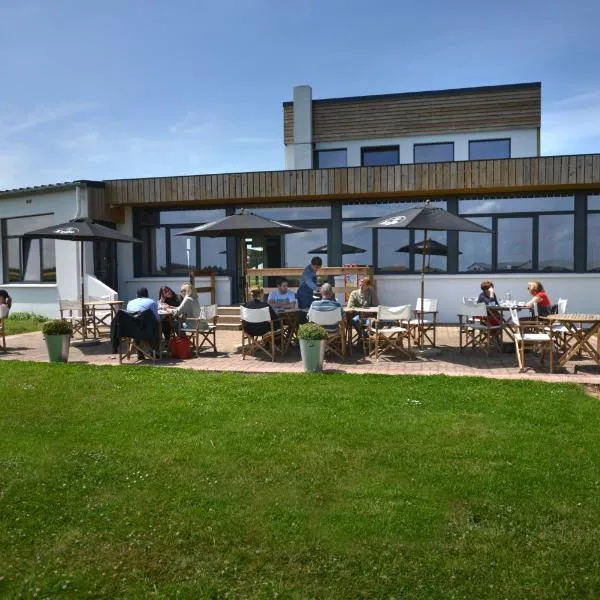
(290,319)
(501,310)
(111,307)
(362,313)
(581,336)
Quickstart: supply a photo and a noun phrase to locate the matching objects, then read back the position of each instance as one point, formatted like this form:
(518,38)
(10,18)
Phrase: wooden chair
(384,338)
(423,324)
(82,323)
(203,332)
(335,325)
(563,338)
(475,329)
(529,334)
(268,342)
(3,315)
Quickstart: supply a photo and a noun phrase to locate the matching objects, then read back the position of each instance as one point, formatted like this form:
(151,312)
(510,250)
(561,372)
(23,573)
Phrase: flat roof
(50,187)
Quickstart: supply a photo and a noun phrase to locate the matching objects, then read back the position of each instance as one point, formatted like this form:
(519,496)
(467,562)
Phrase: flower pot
(58,347)
(313,354)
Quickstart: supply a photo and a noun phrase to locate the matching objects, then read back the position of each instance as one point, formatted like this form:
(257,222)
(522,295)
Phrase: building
(474,151)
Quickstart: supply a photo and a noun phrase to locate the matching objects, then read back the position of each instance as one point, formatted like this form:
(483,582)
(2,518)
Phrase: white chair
(423,323)
(525,336)
(4,310)
(332,321)
(267,341)
(383,337)
(202,331)
(82,323)
(475,329)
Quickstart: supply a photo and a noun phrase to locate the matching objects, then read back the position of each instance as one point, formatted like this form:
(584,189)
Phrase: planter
(58,347)
(313,354)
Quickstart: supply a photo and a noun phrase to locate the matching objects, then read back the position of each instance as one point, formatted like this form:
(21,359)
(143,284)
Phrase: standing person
(540,298)
(488,294)
(143,302)
(189,307)
(308,283)
(5,299)
(282,298)
(168,298)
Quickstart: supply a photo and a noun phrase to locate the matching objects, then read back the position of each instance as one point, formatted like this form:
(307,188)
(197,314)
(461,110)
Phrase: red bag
(180,347)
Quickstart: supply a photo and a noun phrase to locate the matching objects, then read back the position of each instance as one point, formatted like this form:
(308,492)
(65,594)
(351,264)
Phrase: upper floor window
(489,149)
(380,155)
(438,152)
(326,159)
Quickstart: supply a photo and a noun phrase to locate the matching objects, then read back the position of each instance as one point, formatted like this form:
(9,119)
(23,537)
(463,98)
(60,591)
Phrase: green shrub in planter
(312,331)
(57,327)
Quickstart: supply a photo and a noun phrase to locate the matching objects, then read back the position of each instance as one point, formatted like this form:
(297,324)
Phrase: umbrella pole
(420,315)
(82,273)
(244,264)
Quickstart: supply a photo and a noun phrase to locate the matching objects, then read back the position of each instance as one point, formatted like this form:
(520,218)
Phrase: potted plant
(57,334)
(312,346)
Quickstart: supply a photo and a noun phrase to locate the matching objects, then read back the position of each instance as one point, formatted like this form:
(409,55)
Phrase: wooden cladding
(403,115)
(516,175)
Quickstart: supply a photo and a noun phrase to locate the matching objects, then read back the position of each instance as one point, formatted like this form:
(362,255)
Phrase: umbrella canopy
(346,249)
(80,230)
(431,248)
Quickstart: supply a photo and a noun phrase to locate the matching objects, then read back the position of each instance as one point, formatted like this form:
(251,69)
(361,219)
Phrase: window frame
(432,162)
(588,212)
(509,140)
(316,157)
(389,147)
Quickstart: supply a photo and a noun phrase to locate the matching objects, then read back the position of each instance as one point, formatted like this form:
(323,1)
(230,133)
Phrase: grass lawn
(21,322)
(135,482)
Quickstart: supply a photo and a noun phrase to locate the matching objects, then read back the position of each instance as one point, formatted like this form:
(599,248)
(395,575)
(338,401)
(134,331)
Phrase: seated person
(282,298)
(257,301)
(488,293)
(540,298)
(189,307)
(363,297)
(142,302)
(168,298)
(326,304)
(5,304)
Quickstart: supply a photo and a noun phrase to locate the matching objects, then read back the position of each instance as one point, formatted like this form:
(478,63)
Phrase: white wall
(130,286)
(579,289)
(523,144)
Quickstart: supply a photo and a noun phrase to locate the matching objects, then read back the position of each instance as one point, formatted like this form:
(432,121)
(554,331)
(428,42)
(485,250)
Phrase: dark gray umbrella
(346,249)
(425,217)
(240,225)
(80,230)
(432,248)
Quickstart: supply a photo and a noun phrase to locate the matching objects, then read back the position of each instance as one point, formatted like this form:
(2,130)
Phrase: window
(389,241)
(516,205)
(380,155)
(515,244)
(356,238)
(556,239)
(593,242)
(28,260)
(475,249)
(431,153)
(298,246)
(489,149)
(295,213)
(327,159)
(372,211)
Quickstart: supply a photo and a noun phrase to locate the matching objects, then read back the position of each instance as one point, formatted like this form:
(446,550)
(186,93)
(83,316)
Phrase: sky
(148,88)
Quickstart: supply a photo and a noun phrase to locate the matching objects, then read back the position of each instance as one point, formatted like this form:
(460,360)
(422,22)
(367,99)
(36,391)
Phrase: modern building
(473,151)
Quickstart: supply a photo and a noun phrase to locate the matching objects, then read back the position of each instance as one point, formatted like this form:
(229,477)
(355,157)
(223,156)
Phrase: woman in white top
(189,307)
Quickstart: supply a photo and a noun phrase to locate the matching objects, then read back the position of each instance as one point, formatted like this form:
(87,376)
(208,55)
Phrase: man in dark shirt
(257,329)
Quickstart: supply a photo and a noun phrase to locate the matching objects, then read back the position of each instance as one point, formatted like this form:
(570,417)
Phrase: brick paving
(30,347)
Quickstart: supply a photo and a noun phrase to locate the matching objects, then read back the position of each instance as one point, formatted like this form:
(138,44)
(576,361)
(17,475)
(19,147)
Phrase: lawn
(23,322)
(140,482)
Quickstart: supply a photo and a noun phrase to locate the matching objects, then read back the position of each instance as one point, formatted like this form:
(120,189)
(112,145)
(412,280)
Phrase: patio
(30,347)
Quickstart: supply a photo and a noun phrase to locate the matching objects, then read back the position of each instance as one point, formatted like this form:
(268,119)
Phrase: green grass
(134,482)
(23,322)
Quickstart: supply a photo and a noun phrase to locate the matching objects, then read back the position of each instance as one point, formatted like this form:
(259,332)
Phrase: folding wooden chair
(423,324)
(335,325)
(475,329)
(528,334)
(202,332)
(268,342)
(3,315)
(70,311)
(563,337)
(385,338)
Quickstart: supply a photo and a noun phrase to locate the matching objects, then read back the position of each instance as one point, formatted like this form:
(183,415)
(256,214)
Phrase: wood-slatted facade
(515,176)
(492,108)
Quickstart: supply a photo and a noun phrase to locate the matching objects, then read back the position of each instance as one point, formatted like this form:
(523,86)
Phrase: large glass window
(475,249)
(354,240)
(556,243)
(327,159)
(295,213)
(489,149)
(298,247)
(28,260)
(483,206)
(593,202)
(515,244)
(372,211)
(593,242)
(380,155)
(431,153)
(389,242)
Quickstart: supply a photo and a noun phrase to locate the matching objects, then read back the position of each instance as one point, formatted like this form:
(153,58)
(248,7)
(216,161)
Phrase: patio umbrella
(241,225)
(427,218)
(80,230)
(346,249)
(432,248)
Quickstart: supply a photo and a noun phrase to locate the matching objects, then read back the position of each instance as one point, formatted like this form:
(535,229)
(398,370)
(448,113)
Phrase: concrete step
(229,319)
(227,326)
(228,310)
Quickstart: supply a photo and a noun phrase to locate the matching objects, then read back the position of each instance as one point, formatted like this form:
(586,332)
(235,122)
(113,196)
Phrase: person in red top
(544,306)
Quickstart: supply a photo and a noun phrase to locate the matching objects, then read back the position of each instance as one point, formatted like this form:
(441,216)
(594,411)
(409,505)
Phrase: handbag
(180,347)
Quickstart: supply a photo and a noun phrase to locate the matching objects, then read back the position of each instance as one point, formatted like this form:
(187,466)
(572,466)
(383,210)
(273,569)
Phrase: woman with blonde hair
(189,307)
(540,298)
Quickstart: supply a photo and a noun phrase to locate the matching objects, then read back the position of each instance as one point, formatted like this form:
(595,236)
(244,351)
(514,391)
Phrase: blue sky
(132,88)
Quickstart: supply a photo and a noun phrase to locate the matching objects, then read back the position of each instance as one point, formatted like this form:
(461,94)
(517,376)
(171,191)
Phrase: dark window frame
(6,237)
(430,162)
(316,157)
(388,148)
(588,212)
(509,140)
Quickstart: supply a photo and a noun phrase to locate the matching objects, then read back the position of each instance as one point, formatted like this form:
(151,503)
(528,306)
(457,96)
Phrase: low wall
(39,298)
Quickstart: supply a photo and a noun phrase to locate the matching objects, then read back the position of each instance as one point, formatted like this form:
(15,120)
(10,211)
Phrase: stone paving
(450,361)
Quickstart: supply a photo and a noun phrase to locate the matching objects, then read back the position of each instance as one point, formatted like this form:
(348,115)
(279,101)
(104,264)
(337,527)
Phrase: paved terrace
(31,347)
